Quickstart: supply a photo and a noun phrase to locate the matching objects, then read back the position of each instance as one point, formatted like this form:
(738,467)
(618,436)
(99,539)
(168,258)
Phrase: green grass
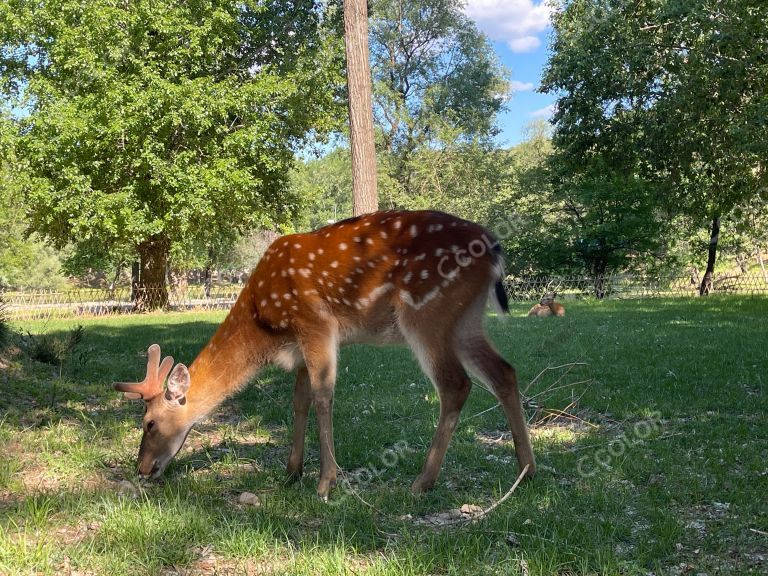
(661,468)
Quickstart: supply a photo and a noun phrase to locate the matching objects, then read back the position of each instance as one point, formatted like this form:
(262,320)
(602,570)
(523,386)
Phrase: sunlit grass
(611,497)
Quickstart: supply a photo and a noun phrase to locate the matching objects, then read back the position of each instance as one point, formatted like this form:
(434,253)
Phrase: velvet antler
(153,383)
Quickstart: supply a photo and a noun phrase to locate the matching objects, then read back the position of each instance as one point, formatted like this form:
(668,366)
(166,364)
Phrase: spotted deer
(420,277)
(547,307)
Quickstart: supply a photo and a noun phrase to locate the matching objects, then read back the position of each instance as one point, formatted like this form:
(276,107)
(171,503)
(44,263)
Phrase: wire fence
(632,286)
(45,304)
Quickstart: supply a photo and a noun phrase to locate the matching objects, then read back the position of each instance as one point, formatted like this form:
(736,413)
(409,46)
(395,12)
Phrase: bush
(51,349)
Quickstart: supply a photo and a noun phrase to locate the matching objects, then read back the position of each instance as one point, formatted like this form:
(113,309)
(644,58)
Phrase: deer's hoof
(422,484)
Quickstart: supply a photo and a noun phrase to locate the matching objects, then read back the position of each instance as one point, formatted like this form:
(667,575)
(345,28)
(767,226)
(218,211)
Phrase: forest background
(171,143)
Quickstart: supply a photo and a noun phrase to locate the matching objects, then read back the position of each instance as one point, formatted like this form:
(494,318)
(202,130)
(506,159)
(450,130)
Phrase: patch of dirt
(208,563)
(448,518)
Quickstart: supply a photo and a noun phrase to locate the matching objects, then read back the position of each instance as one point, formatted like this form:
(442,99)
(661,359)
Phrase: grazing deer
(547,307)
(417,277)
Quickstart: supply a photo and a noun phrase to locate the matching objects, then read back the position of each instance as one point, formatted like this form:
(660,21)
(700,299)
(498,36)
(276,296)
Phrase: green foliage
(675,93)
(325,187)
(53,349)
(598,224)
(25,261)
(437,82)
(165,123)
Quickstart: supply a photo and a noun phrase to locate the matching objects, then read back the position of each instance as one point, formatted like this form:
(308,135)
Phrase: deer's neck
(235,353)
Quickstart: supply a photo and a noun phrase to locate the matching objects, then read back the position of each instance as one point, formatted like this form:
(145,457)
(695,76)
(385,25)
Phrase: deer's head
(166,422)
(548,298)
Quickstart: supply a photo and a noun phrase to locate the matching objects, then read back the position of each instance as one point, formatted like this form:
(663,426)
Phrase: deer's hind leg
(482,360)
(440,363)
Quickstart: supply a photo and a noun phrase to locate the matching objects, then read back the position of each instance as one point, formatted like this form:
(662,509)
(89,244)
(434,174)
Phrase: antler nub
(153,383)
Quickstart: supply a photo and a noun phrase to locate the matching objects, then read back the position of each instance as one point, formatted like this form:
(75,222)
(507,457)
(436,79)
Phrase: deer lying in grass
(547,307)
(422,278)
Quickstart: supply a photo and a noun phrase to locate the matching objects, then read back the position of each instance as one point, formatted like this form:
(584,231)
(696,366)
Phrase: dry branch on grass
(532,403)
(469,513)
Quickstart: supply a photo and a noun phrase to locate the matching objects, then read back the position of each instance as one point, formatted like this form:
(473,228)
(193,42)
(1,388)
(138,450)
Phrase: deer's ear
(178,384)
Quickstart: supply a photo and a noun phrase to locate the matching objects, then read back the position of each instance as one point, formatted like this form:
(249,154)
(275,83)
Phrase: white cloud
(545,112)
(517,86)
(524,44)
(516,22)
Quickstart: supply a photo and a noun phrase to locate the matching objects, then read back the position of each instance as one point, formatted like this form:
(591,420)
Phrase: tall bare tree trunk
(364,194)
(706,282)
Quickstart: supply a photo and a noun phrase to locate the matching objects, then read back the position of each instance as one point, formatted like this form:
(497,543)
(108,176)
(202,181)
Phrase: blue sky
(518,30)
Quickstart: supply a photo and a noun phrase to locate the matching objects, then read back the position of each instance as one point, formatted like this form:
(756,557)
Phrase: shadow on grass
(633,511)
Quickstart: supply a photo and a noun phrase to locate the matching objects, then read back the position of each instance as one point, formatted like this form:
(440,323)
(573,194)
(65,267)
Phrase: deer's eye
(150,425)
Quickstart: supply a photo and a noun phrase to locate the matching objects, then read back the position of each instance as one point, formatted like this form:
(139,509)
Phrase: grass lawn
(660,467)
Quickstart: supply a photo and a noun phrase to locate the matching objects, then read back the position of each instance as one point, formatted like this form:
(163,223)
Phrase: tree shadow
(244,446)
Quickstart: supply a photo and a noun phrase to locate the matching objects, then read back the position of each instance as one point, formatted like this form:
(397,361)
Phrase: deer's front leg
(321,365)
(302,398)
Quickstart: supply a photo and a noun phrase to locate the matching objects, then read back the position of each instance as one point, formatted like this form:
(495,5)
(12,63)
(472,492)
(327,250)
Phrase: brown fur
(422,278)
(547,307)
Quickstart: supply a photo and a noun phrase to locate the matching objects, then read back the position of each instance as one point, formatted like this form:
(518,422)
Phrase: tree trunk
(208,276)
(364,193)
(598,275)
(152,292)
(706,282)
(135,277)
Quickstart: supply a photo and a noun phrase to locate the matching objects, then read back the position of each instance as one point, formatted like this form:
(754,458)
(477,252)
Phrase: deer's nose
(146,475)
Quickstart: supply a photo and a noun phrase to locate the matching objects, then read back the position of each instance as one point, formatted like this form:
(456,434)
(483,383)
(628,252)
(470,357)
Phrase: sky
(518,30)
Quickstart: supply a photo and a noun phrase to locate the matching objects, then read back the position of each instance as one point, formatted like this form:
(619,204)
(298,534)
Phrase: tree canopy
(437,80)
(152,124)
(674,93)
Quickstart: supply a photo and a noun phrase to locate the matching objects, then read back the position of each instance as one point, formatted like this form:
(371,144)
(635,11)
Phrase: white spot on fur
(407,278)
(379,290)
(334,264)
(397,224)
(414,231)
(424,274)
(342,246)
